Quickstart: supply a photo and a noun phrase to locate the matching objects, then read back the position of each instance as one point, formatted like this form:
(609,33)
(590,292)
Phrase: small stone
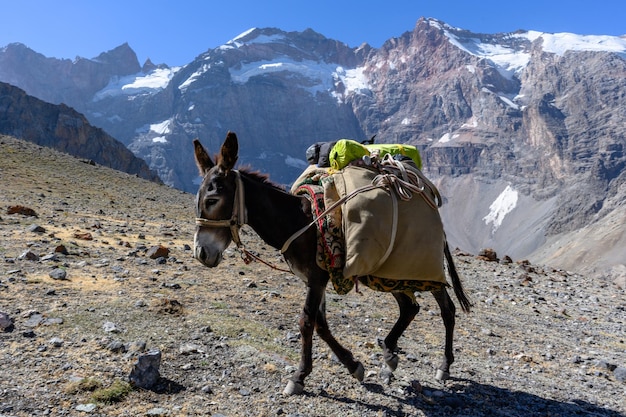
(24,211)
(61,249)
(83,235)
(51,257)
(6,322)
(35,228)
(488,254)
(189,348)
(156,252)
(116,346)
(56,342)
(145,372)
(34,320)
(157,412)
(86,408)
(620,373)
(58,274)
(110,327)
(28,255)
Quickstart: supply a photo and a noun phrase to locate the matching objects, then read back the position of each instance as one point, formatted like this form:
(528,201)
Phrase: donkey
(229,198)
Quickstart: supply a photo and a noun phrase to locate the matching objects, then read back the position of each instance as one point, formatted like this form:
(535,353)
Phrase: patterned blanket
(331,244)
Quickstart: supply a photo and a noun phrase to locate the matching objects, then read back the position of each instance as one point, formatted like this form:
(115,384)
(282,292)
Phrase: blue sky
(175,32)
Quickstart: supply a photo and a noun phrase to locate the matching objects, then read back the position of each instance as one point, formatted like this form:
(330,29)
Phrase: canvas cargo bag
(368,221)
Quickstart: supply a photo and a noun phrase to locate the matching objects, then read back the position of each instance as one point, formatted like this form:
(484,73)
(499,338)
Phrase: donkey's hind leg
(448,310)
(408,310)
(344,355)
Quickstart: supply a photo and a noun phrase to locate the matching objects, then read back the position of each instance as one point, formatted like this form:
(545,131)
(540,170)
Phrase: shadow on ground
(477,400)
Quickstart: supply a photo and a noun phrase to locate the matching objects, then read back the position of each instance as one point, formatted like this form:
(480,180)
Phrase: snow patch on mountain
(132,85)
(160,129)
(559,43)
(511,59)
(193,77)
(503,205)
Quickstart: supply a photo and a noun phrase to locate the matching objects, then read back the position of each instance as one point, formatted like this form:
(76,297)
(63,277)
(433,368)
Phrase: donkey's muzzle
(210,259)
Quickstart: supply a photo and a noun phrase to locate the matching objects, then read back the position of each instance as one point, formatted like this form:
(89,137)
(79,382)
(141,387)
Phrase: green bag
(346,151)
(397,149)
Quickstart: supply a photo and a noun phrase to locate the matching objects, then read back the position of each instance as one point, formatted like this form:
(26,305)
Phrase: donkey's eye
(210,202)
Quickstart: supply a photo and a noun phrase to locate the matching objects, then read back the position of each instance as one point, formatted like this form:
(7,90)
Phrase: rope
(399,181)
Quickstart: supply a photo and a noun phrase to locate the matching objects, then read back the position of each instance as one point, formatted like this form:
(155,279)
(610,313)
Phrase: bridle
(238,218)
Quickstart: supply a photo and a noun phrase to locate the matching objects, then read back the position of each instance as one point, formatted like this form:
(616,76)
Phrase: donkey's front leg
(314,296)
(344,355)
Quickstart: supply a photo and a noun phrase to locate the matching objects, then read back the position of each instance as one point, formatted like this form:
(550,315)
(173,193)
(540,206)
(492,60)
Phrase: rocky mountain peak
(122,60)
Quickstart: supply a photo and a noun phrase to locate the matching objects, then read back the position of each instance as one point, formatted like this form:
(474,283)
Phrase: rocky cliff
(62,128)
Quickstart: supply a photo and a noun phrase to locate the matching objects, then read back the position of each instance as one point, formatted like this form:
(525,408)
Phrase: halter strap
(239,216)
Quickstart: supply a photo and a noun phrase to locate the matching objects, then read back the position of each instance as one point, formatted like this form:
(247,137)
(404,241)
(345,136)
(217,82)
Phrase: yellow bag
(396,149)
(346,151)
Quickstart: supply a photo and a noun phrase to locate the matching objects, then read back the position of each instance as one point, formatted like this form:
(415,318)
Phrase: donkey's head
(216,201)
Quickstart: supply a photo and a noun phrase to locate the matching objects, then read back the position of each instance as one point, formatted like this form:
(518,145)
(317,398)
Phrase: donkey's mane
(260,178)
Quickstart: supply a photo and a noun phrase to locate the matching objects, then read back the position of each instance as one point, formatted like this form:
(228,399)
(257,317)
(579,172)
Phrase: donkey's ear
(228,152)
(203,160)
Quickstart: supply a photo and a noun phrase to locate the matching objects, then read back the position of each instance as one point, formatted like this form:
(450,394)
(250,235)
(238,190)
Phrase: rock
(86,408)
(61,249)
(157,412)
(488,255)
(28,255)
(116,346)
(156,252)
(189,348)
(620,373)
(145,371)
(6,322)
(56,342)
(24,211)
(83,235)
(110,327)
(35,228)
(58,274)
(51,257)
(34,320)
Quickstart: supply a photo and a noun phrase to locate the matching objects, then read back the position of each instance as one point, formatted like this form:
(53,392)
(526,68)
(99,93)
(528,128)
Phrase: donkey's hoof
(392,362)
(293,388)
(359,372)
(442,375)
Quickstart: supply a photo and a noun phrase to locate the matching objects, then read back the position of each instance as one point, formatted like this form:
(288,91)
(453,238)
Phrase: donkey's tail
(456,281)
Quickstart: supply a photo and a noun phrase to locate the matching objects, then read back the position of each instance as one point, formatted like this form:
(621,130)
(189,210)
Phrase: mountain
(523,131)
(63,128)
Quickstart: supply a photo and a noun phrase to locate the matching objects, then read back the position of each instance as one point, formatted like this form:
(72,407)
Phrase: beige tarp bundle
(368,221)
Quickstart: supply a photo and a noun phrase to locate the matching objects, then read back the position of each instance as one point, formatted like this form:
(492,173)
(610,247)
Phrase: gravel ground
(539,341)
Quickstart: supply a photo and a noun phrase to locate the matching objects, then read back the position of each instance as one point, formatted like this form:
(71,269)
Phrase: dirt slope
(539,341)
